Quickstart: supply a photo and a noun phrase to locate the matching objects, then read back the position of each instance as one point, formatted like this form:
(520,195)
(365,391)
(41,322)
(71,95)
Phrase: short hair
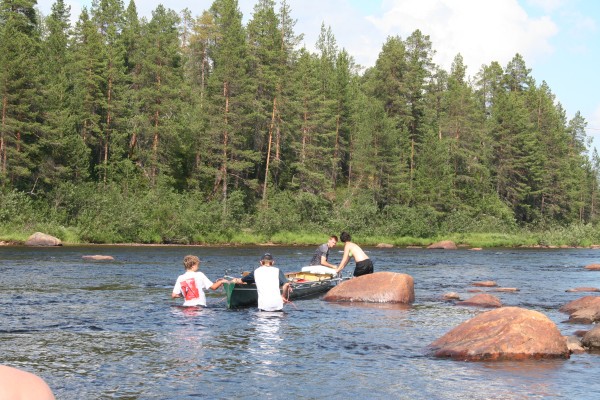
(333,237)
(345,237)
(190,261)
(267,258)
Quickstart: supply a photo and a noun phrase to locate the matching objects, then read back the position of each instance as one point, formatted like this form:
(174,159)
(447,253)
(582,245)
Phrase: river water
(109,330)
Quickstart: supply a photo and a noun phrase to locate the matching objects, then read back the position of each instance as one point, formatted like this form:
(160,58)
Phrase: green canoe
(303,284)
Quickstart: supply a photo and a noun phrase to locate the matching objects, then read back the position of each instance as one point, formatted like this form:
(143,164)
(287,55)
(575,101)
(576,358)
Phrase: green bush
(403,221)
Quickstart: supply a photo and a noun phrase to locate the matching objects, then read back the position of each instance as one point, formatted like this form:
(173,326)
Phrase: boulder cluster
(504,333)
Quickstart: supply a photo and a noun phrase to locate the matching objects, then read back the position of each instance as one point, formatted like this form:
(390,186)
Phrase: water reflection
(264,346)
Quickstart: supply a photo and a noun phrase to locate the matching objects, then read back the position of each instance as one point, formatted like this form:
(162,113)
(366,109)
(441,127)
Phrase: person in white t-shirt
(268,280)
(192,283)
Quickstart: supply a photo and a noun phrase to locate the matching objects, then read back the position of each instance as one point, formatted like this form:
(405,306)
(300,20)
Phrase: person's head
(332,241)
(345,237)
(267,259)
(190,261)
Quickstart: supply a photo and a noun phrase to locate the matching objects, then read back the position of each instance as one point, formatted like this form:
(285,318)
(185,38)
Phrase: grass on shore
(556,237)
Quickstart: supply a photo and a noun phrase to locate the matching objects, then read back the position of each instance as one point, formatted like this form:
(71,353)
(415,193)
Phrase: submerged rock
(98,257)
(485,284)
(506,289)
(583,289)
(378,287)
(42,239)
(508,333)
(591,339)
(574,345)
(451,296)
(481,300)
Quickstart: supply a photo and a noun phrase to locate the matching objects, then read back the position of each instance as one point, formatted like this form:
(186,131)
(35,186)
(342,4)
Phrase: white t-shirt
(267,286)
(191,285)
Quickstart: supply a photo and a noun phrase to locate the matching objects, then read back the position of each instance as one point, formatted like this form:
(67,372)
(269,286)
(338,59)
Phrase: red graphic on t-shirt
(188,287)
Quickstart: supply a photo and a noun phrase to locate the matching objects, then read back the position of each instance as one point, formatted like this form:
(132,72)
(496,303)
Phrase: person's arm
(284,284)
(285,292)
(218,283)
(326,263)
(248,278)
(176,290)
(345,258)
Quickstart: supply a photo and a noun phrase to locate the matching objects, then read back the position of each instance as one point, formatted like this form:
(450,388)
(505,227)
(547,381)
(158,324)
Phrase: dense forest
(200,129)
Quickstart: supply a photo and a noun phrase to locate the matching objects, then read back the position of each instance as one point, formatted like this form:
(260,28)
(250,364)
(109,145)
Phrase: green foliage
(576,234)
(169,130)
(403,221)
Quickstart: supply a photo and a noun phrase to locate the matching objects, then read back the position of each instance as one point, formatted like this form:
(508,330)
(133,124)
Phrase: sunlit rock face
(444,245)
(507,333)
(585,310)
(42,239)
(378,287)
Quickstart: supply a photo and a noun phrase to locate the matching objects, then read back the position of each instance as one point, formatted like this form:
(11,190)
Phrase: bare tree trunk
(264,194)
(107,132)
(155,139)
(336,150)
(225,144)
(2,140)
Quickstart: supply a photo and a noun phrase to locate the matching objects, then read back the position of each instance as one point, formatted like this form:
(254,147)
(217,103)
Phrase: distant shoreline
(11,243)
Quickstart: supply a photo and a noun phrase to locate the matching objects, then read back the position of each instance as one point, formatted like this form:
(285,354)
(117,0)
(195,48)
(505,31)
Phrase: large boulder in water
(507,333)
(379,287)
(42,239)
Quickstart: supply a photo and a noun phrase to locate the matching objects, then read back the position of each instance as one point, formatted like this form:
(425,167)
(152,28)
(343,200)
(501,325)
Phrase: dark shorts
(363,267)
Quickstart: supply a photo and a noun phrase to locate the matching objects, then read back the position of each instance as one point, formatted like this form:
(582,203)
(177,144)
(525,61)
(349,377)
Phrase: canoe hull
(303,284)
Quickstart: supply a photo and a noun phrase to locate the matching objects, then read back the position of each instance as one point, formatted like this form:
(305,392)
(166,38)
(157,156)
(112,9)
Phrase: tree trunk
(107,132)
(264,194)
(2,140)
(225,144)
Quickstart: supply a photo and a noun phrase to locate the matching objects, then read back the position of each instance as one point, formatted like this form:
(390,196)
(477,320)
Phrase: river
(109,330)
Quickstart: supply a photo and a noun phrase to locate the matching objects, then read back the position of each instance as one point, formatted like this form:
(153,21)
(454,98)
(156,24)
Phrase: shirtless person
(363,264)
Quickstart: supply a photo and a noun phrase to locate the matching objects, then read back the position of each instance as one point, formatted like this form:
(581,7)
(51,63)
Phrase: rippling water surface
(100,330)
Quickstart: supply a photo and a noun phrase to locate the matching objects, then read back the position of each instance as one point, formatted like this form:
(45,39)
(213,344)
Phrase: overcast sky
(559,39)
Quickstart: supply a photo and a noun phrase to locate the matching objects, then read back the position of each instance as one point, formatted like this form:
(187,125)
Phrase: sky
(558,39)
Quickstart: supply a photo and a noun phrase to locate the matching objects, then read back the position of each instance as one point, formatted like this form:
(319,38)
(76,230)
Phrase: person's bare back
(23,385)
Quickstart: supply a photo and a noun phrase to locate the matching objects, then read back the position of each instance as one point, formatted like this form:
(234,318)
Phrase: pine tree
(20,93)
(108,15)
(387,83)
(66,156)
(229,93)
(87,74)
(158,88)
(462,128)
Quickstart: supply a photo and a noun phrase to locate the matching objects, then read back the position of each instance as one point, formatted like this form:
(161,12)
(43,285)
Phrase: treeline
(184,128)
